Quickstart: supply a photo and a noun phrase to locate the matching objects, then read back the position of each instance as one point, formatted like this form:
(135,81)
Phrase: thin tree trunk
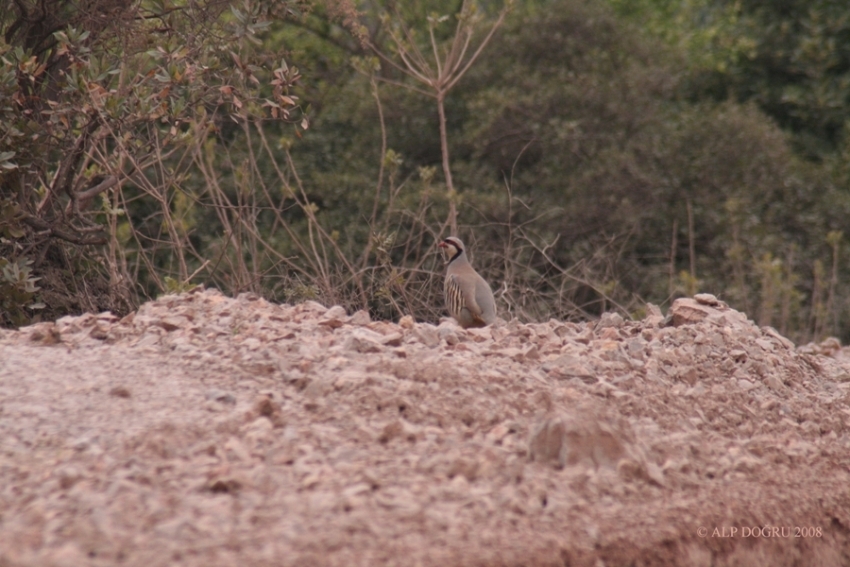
(787,289)
(833,282)
(444,145)
(692,247)
(671,286)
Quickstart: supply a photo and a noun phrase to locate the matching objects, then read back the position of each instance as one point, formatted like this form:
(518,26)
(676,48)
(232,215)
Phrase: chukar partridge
(468,297)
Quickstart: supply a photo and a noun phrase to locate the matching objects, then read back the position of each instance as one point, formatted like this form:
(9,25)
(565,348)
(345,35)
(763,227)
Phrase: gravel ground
(205,430)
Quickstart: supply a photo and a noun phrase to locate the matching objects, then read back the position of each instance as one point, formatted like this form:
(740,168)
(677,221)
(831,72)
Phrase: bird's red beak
(442,245)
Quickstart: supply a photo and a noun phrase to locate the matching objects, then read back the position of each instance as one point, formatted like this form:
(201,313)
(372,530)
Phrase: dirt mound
(204,430)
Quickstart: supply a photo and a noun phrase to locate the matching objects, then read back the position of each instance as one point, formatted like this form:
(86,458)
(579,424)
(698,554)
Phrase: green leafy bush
(17,292)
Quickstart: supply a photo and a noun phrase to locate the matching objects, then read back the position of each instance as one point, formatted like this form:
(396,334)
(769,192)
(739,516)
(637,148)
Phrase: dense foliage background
(594,156)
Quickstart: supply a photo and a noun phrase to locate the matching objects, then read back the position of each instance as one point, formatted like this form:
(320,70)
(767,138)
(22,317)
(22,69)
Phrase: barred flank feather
(454,297)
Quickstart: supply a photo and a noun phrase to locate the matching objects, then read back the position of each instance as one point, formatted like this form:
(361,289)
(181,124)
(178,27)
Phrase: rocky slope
(204,430)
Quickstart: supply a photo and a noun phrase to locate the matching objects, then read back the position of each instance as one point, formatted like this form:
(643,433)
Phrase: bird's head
(452,247)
